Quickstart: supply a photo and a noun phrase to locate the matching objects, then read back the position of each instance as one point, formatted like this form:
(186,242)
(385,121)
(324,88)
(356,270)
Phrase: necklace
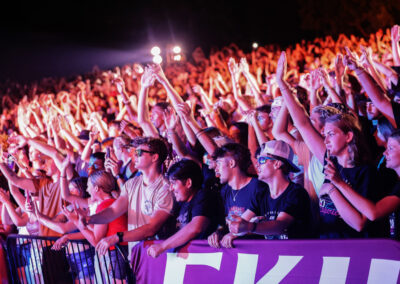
(234,195)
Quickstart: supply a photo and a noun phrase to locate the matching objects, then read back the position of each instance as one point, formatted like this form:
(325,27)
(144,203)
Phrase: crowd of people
(293,144)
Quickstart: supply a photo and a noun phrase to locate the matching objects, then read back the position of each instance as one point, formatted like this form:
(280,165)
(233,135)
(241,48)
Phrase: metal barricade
(32,260)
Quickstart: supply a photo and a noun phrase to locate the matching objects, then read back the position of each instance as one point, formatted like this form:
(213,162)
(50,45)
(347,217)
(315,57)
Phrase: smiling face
(181,189)
(392,154)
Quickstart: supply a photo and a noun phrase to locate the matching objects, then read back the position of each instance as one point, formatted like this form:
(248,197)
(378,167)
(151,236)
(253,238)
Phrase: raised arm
(143,108)
(65,194)
(313,139)
(377,96)
(16,217)
(279,130)
(205,140)
(395,35)
(23,183)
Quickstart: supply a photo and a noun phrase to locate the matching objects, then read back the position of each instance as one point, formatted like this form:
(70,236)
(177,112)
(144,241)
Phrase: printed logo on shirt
(327,207)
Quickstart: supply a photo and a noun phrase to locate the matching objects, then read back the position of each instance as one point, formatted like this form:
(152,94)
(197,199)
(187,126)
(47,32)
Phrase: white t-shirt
(143,201)
(315,173)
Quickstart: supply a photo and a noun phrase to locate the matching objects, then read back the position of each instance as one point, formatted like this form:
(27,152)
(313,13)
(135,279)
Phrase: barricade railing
(32,260)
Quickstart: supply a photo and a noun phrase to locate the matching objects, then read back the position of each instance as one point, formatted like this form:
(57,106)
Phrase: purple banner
(313,261)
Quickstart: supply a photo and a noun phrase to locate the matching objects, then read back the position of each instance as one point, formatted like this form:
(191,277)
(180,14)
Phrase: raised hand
(350,62)
(234,69)
(340,68)
(4,197)
(19,141)
(281,68)
(148,78)
(158,73)
(170,119)
(120,85)
(315,80)
(395,33)
(244,65)
(184,111)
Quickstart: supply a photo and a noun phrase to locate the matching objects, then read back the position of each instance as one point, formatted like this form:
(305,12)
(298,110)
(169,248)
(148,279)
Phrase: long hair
(359,152)
(104,180)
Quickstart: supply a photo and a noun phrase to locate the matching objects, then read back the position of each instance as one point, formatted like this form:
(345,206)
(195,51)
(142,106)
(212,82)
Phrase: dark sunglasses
(139,152)
(263,159)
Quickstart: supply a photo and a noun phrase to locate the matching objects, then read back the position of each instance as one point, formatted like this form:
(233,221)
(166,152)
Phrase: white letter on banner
(282,268)
(383,271)
(334,270)
(246,268)
(175,268)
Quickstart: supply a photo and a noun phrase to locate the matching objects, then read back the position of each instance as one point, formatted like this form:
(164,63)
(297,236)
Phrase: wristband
(120,237)
(119,176)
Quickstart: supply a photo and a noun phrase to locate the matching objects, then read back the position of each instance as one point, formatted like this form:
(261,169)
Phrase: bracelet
(63,177)
(199,133)
(119,176)
(331,189)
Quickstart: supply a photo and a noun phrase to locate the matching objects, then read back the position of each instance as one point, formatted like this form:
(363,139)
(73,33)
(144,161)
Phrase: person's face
(73,189)
(96,165)
(265,167)
(157,117)
(392,154)
(144,157)
(264,120)
(223,168)
(181,189)
(336,140)
(372,111)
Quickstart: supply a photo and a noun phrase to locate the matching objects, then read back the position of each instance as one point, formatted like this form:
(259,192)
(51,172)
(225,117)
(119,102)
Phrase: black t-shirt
(293,201)
(364,180)
(204,203)
(236,202)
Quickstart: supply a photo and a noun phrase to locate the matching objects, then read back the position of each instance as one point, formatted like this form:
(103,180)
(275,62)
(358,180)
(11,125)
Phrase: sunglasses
(263,159)
(139,152)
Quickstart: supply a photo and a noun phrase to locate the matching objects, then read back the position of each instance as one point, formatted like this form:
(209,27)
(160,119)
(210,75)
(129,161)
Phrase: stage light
(157,59)
(177,57)
(155,50)
(255,45)
(177,49)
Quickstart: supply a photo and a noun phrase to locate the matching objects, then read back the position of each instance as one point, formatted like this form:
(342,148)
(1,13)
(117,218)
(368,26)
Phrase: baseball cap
(281,150)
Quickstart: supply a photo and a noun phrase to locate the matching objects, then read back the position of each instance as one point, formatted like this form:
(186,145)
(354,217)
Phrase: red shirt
(118,225)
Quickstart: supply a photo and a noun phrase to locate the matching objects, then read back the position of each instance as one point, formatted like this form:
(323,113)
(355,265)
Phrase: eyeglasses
(139,152)
(263,159)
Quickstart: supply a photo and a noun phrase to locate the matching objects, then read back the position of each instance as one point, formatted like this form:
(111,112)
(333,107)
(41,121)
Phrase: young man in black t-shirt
(284,211)
(195,208)
(240,190)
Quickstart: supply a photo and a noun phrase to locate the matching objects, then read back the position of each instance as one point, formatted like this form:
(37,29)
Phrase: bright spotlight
(177,57)
(177,49)
(255,45)
(155,50)
(157,59)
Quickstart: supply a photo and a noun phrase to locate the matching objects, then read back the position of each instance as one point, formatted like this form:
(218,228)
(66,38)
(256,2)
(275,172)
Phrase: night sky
(60,39)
